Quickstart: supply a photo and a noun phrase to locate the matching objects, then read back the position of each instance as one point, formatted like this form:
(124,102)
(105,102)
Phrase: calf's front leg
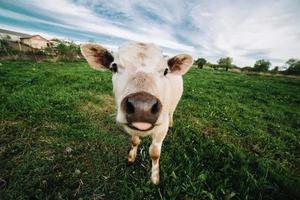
(154,151)
(135,141)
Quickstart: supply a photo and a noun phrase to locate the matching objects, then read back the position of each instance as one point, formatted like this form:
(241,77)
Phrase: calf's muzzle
(142,110)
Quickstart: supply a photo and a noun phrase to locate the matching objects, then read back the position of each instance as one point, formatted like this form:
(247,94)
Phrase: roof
(31,36)
(14,33)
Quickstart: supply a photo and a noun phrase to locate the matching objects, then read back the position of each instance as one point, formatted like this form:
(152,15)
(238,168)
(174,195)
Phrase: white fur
(168,89)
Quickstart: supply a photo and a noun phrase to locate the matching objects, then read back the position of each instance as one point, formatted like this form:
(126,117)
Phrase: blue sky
(244,30)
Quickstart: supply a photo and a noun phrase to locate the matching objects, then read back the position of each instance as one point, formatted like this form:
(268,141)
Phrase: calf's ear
(180,64)
(97,56)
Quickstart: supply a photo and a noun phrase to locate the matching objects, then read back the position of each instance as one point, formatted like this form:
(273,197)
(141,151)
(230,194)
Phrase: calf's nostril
(129,107)
(155,108)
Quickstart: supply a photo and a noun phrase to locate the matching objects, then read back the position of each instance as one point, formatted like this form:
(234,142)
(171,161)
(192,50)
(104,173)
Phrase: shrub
(262,65)
(200,62)
(68,51)
(293,66)
(225,63)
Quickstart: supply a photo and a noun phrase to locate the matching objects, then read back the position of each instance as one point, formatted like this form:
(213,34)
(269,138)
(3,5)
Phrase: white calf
(147,89)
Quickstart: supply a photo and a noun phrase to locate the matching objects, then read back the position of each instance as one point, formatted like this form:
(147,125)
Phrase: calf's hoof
(155,179)
(131,158)
(132,155)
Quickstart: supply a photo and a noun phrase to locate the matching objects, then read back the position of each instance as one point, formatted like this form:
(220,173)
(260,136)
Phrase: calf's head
(141,76)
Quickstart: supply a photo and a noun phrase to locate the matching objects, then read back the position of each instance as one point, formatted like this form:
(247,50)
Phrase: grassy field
(235,137)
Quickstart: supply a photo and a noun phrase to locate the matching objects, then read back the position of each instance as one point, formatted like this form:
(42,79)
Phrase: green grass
(235,136)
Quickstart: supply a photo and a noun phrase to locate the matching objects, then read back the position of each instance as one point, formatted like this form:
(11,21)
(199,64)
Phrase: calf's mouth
(141,126)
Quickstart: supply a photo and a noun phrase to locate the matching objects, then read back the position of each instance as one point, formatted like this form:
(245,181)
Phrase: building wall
(20,46)
(36,42)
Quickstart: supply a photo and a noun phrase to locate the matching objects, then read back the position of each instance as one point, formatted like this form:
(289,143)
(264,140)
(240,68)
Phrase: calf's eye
(114,68)
(166,71)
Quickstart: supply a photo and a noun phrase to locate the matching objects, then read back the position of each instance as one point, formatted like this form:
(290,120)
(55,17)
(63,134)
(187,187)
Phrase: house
(33,41)
(36,41)
(11,35)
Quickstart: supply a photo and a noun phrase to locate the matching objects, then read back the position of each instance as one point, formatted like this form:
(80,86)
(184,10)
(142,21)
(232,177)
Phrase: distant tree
(291,61)
(225,63)
(200,62)
(4,46)
(262,65)
(56,40)
(274,70)
(68,51)
(7,37)
(293,66)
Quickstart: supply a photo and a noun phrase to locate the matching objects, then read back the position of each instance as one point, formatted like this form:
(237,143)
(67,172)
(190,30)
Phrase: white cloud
(81,18)
(244,30)
(263,27)
(15,15)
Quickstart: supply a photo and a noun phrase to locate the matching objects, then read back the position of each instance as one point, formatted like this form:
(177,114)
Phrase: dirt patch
(99,104)
(210,130)
(8,123)
(273,75)
(100,111)
(195,121)
(54,126)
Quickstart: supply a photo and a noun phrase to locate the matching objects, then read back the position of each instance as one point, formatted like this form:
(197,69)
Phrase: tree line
(226,63)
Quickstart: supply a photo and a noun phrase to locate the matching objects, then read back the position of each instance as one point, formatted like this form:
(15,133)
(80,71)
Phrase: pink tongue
(141,125)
